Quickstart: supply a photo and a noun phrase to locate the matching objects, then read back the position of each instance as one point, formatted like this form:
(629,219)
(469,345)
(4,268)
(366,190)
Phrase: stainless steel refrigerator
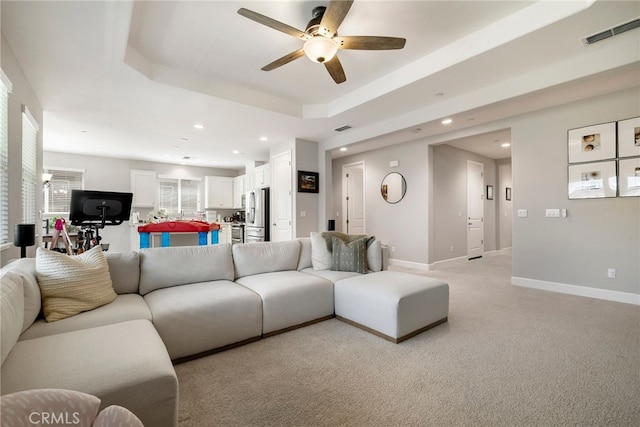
(257,216)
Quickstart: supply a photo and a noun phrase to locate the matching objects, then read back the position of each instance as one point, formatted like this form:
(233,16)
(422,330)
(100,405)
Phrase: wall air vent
(613,31)
(342,128)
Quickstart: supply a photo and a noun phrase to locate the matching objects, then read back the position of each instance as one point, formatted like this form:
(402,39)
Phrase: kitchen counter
(166,228)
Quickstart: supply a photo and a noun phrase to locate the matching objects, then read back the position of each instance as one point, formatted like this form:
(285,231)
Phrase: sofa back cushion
(265,257)
(11,311)
(173,266)
(305,253)
(26,269)
(124,268)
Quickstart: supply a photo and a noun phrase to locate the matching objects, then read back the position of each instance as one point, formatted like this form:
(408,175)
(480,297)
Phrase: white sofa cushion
(305,253)
(123,308)
(331,275)
(320,253)
(122,364)
(172,266)
(290,298)
(124,268)
(204,316)
(25,268)
(11,311)
(265,257)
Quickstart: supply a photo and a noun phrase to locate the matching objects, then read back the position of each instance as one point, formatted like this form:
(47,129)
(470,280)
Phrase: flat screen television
(99,208)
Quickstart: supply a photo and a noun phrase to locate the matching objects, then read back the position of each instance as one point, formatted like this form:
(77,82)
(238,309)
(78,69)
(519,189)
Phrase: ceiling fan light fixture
(320,49)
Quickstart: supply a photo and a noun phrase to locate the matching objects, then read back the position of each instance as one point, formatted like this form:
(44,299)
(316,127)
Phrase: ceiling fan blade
(284,60)
(334,67)
(370,42)
(333,17)
(272,23)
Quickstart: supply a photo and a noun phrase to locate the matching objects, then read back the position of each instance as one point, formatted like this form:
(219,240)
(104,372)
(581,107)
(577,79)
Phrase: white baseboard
(583,291)
(409,264)
(447,262)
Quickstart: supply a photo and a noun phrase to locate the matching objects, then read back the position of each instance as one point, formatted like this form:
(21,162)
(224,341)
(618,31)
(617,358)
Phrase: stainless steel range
(237,233)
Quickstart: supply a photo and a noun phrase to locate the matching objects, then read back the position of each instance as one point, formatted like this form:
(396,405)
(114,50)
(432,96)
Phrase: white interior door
(353,221)
(475,209)
(281,224)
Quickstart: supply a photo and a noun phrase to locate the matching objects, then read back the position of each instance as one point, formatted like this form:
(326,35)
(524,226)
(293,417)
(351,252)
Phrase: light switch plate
(523,213)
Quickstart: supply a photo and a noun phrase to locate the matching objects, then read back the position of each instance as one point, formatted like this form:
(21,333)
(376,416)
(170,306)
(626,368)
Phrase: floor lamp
(24,235)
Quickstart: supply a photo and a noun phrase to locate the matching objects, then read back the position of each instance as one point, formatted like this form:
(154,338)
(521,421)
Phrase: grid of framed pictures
(604,160)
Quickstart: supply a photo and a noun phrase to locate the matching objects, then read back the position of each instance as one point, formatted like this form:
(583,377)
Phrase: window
(179,197)
(29,173)
(5,90)
(57,197)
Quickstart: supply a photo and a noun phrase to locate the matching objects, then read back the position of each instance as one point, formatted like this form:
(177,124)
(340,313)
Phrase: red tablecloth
(178,227)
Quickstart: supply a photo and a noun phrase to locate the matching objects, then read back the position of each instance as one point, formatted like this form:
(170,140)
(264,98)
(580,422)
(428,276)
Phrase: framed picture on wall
(592,180)
(308,182)
(489,192)
(629,137)
(629,177)
(591,143)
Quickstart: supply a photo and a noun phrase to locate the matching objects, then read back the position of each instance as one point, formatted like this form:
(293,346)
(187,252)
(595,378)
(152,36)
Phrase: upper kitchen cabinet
(262,176)
(144,188)
(238,191)
(218,192)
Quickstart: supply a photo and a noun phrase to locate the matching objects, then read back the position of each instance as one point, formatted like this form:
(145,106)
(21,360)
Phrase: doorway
(475,209)
(353,198)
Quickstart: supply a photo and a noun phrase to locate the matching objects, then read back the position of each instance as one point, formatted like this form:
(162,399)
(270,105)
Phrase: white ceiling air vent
(613,31)
(342,128)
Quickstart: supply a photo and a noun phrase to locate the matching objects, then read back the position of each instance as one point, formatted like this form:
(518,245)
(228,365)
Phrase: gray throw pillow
(351,256)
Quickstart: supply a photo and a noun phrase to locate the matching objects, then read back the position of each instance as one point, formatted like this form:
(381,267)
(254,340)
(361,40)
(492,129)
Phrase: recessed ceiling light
(83,131)
(235,152)
(447,121)
(166,155)
(343,149)
(505,145)
(176,147)
(264,138)
(184,139)
(198,126)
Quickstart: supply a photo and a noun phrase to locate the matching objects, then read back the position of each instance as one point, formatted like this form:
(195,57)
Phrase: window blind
(5,90)
(179,197)
(57,198)
(29,173)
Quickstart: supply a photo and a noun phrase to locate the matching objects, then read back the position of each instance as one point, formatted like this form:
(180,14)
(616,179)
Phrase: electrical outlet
(451,249)
(611,273)
(303,213)
(393,248)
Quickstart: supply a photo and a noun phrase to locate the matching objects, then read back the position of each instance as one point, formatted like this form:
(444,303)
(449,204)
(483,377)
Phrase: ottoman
(391,304)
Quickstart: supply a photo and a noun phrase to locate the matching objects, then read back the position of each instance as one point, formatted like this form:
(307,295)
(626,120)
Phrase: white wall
(450,202)
(403,225)
(110,174)
(597,234)
(504,210)
(22,94)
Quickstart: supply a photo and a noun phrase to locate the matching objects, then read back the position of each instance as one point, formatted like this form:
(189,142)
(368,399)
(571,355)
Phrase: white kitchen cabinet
(262,176)
(218,192)
(238,191)
(224,234)
(144,188)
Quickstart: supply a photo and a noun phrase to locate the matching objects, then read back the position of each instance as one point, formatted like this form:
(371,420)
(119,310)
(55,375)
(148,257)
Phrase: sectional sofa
(173,304)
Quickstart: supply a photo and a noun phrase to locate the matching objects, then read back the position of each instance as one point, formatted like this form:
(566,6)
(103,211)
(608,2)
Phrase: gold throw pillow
(72,284)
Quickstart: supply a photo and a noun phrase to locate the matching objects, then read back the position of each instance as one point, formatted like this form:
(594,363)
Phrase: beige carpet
(508,356)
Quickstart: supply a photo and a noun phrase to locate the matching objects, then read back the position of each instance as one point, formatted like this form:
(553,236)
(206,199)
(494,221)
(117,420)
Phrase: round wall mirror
(393,187)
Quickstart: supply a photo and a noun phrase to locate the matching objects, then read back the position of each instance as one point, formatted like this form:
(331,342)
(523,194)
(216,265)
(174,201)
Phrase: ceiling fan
(321,40)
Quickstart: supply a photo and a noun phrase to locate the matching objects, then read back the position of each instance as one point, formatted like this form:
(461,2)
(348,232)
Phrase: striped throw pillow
(72,284)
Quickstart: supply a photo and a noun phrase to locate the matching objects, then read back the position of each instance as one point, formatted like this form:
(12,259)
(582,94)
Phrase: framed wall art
(592,143)
(592,180)
(629,137)
(308,182)
(629,177)
(489,192)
